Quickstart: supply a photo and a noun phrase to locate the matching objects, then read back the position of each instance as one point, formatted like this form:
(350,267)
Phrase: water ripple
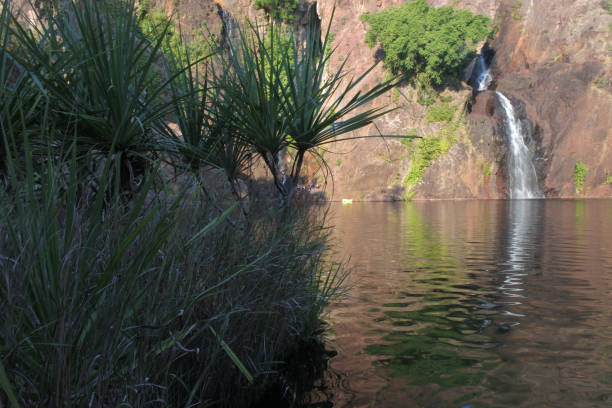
(475,304)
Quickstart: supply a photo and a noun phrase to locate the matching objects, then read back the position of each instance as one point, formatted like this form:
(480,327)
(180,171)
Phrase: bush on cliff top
(281,10)
(431,44)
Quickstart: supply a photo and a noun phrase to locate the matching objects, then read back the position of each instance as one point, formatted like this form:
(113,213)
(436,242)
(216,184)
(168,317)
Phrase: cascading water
(228,25)
(523,178)
(483,77)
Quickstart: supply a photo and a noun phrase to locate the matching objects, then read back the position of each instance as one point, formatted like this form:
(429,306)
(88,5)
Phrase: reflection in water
(436,329)
(520,253)
(477,304)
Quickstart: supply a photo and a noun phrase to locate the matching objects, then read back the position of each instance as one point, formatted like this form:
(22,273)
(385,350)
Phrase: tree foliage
(281,10)
(430,44)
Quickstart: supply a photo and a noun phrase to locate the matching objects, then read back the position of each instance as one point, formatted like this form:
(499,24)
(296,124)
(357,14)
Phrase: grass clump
(410,135)
(580,172)
(423,152)
(443,112)
(427,150)
(608,180)
(396,95)
(607,6)
(153,299)
(486,168)
(515,13)
(601,82)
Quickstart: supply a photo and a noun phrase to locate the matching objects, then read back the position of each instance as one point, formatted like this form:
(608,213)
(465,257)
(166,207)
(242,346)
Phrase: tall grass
(130,303)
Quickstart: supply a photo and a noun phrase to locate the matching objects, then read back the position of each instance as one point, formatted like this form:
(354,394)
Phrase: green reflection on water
(436,335)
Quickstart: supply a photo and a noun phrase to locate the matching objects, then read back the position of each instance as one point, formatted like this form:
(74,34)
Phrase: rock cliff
(555,57)
(551,58)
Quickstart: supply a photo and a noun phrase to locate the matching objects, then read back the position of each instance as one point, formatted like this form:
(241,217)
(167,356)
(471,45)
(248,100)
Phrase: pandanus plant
(320,105)
(20,100)
(281,96)
(248,89)
(99,74)
(206,133)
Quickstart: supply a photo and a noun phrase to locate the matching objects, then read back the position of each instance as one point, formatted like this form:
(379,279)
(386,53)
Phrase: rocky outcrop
(551,58)
(554,56)
(374,169)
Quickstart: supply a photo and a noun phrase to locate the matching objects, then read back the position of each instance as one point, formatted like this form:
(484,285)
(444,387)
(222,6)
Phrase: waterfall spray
(483,77)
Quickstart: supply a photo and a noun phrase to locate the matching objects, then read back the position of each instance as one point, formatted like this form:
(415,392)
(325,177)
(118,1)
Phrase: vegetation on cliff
(431,45)
(153,21)
(127,274)
(580,172)
(423,152)
(280,10)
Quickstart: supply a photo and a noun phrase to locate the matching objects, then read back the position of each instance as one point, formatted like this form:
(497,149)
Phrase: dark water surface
(474,304)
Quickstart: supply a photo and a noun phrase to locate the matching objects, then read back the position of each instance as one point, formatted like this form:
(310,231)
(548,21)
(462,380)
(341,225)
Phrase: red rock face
(552,58)
(555,57)
(374,169)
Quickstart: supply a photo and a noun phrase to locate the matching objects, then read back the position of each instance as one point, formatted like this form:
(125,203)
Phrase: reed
(154,300)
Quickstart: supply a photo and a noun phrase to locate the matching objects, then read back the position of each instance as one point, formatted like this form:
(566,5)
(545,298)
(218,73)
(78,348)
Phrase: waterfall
(228,25)
(522,174)
(483,77)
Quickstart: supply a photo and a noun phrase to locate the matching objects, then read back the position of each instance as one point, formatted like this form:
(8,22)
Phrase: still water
(474,304)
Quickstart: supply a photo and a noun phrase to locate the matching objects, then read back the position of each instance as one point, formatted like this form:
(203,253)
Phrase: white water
(228,24)
(523,178)
(483,79)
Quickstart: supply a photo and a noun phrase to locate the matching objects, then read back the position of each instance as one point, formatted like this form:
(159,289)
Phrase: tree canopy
(430,44)
(281,10)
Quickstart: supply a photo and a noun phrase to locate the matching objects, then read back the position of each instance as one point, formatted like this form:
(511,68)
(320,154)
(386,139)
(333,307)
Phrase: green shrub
(486,168)
(154,22)
(417,39)
(607,5)
(608,180)
(426,94)
(601,81)
(580,172)
(281,10)
(443,112)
